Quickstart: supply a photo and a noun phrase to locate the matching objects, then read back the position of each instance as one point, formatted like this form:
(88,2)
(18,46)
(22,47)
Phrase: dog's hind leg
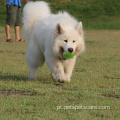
(34,58)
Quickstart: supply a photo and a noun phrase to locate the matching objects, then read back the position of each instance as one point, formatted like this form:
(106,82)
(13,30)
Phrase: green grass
(95,14)
(95,82)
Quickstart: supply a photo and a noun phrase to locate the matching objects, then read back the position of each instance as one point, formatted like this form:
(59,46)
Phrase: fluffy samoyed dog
(49,35)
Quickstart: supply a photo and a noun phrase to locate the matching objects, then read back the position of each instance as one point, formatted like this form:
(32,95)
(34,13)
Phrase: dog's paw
(32,78)
(61,81)
(67,79)
(53,75)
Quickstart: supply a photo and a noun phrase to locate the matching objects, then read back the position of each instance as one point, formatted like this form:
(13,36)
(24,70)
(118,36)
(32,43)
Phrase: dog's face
(69,40)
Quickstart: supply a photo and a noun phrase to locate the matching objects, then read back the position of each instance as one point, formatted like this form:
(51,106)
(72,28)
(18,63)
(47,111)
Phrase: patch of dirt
(103,116)
(18,92)
(80,70)
(20,53)
(12,52)
(102,87)
(113,95)
(113,78)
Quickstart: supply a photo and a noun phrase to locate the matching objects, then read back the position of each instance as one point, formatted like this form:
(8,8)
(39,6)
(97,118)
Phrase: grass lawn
(95,82)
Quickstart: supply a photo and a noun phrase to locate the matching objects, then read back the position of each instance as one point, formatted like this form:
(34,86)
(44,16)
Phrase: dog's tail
(32,12)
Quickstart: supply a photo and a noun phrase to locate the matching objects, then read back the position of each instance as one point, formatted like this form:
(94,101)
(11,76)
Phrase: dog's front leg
(69,66)
(57,69)
(59,72)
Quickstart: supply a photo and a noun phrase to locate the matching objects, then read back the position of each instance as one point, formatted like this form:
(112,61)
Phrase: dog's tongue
(68,55)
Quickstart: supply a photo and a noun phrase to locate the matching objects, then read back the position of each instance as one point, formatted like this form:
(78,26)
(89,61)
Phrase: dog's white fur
(49,35)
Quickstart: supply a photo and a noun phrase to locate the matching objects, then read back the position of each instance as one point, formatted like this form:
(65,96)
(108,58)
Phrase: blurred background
(95,14)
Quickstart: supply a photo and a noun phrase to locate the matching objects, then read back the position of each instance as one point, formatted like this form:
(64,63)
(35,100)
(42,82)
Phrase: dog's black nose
(70,50)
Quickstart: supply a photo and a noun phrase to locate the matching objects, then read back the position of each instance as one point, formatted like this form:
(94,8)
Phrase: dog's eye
(74,41)
(66,41)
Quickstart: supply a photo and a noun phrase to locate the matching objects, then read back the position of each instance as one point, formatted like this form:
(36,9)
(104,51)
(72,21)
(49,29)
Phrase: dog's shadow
(8,77)
(45,80)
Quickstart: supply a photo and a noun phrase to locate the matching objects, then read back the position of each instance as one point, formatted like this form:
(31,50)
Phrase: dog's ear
(80,30)
(59,30)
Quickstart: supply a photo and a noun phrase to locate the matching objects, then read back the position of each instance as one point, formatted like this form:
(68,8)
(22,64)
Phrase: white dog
(49,35)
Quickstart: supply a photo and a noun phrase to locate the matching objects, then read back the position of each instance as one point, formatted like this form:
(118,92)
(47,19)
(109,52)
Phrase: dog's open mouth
(62,50)
(65,55)
(61,57)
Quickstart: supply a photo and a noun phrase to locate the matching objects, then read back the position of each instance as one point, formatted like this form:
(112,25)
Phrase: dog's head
(68,39)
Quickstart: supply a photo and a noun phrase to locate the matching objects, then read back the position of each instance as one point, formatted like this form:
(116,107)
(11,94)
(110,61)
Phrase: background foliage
(95,14)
